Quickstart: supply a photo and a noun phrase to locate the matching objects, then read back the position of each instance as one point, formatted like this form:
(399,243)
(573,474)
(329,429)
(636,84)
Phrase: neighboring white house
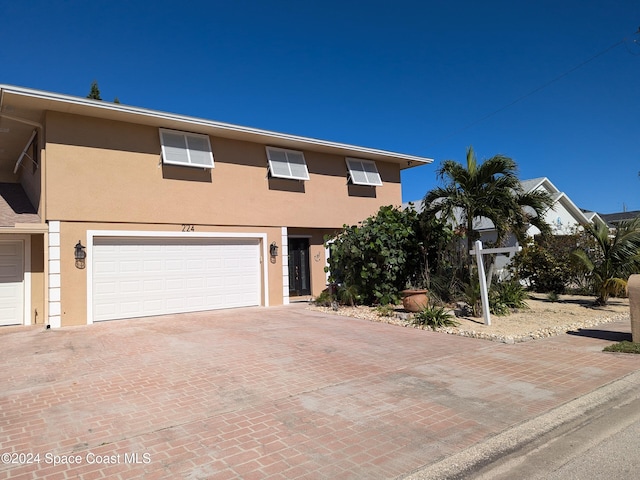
(564,217)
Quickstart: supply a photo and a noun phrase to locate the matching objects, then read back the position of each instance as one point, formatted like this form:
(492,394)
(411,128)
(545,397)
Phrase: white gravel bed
(542,319)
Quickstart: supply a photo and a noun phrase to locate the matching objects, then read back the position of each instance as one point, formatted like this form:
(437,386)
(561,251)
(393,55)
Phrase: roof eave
(97,108)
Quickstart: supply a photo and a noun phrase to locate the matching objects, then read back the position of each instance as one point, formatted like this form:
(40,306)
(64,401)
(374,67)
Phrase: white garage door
(137,277)
(11,283)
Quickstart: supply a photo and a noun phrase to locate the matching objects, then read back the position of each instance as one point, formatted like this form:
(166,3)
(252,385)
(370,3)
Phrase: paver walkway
(278,393)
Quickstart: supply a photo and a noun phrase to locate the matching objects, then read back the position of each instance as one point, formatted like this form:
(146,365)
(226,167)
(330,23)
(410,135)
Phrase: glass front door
(299,272)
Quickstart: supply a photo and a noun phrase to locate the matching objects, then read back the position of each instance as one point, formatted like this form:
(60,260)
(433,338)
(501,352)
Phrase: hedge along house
(109,211)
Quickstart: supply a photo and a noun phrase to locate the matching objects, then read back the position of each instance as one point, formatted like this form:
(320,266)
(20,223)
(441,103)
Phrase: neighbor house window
(363,172)
(186,149)
(287,164)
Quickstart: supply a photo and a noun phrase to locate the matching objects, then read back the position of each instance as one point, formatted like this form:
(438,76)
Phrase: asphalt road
(601,444)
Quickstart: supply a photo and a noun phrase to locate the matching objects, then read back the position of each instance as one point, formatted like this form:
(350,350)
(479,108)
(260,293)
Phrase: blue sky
(417,77)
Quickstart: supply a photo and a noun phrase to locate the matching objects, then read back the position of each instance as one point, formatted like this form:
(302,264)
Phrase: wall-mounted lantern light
(273,249)
(80,255)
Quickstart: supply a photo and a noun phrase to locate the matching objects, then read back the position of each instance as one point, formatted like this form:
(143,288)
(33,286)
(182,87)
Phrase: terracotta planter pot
(414,300)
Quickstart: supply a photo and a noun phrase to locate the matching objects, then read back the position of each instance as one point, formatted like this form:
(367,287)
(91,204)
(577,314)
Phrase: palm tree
(616,257)
(490,190)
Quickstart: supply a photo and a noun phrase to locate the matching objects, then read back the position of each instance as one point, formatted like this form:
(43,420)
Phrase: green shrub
(434,317)
(378,256)
(548,264)
(624,347)
(544,271)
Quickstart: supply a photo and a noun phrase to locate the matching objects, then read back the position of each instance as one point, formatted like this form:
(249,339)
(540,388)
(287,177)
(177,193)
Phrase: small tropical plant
(615,257)
(507,296)
(434,317)
(385,310)
(553,297)
(348,295)
(511,293)
(325,299)
(471,294)
(496,307)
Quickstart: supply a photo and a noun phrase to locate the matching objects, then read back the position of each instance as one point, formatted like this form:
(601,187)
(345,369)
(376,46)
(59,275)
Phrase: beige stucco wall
(74,295)
(107,171)
(37,280)
(106,175)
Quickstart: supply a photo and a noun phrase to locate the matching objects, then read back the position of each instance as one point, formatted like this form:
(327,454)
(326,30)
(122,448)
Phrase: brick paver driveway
(279,393)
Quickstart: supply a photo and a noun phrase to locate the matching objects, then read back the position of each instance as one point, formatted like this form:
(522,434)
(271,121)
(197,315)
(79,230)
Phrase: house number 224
(188,228)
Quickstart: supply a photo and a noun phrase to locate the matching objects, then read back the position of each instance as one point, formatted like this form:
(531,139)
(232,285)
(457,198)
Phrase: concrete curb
(456,466)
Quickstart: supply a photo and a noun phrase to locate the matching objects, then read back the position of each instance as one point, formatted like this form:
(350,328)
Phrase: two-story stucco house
(109,211)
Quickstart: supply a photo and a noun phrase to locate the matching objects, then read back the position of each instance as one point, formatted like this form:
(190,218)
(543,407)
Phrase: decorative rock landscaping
(543,318)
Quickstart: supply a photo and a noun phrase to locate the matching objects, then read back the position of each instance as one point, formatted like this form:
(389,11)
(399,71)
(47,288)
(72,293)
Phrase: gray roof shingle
(15,206)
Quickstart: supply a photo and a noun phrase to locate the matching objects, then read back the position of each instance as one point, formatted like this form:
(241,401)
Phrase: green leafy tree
(490,189)
(615,257)
(379,255)
(94,93)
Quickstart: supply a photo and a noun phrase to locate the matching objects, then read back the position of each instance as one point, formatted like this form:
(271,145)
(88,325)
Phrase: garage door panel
(100,267)
(11,283)
(107,288)
(105,310)
(153,276)
(153,266)
(11,249)
(132,286)
(9,273)
(131,308)
(196,283)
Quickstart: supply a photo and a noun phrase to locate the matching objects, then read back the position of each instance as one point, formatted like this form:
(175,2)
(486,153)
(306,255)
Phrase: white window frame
(186,136)
(357,165)
(274,173)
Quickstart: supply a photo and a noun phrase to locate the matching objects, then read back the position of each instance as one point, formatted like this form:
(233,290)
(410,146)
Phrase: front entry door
(299,273)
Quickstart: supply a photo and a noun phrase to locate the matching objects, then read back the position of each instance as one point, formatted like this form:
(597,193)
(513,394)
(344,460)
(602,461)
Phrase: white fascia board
(252,134)
(551,187)
(573,209)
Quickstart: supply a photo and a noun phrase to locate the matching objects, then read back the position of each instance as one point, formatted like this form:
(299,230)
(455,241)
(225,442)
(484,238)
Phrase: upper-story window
(363,172)
(287,164)
(186,149)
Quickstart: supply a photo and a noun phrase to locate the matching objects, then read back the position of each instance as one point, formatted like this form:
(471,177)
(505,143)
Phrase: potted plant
(414,298)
